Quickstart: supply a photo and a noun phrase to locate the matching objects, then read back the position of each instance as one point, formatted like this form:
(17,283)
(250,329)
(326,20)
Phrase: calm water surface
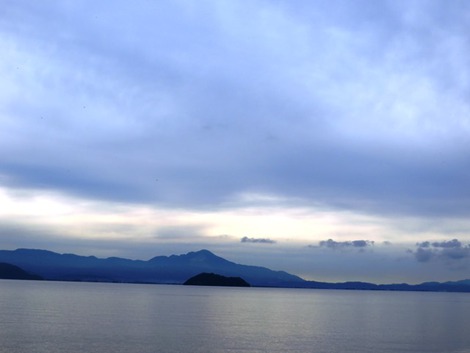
(96,317)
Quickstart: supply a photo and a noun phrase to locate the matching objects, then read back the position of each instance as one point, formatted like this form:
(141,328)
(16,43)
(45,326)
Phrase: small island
(212,279)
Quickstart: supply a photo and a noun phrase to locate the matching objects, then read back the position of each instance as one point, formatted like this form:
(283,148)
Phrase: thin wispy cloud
(332,244)
(257,240)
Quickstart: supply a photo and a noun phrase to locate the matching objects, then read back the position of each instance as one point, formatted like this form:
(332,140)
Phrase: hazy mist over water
(54,317)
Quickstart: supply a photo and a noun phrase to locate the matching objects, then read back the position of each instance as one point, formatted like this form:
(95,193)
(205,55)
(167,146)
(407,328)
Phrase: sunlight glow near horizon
(279,223)
(105,220)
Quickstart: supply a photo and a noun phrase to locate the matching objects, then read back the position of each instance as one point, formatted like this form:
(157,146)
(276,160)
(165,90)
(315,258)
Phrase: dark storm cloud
(181,105)
(257,240)
(448,250)
(332,244)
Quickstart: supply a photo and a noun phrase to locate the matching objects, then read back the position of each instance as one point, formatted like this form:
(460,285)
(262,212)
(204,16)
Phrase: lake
(73,317)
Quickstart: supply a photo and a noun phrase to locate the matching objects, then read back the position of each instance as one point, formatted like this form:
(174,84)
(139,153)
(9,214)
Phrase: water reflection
(87,317)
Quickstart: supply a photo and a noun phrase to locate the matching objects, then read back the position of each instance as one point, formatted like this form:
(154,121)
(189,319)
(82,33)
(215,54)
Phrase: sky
(326,138)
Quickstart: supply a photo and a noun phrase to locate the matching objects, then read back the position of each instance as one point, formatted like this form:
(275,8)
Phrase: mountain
(8,271)
(212,279)
(161,269)
(458,286)
(176,269)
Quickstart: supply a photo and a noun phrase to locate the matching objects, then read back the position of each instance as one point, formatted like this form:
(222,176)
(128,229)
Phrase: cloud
(145,92)
(454,243)
(332,244)
(423,255)
(257,240)
(448,250)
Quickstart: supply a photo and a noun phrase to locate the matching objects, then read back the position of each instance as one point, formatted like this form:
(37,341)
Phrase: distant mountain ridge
(8,271)
(176,269)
